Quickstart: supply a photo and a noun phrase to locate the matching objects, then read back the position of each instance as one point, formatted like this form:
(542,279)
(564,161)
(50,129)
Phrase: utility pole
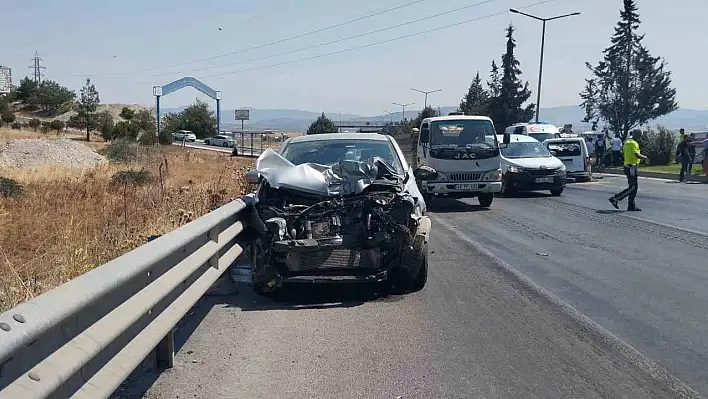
(390,114)
(426,95)
(37,67)
(403,115)
(543,42)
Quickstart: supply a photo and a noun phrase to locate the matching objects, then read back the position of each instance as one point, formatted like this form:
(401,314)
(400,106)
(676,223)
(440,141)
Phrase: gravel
(28,153)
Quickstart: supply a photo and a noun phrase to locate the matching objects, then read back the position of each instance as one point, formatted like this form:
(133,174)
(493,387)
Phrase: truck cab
(458,156)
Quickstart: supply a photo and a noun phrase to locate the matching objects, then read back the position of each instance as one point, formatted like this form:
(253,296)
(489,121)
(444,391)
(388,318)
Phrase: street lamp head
(575,13)
(515,11)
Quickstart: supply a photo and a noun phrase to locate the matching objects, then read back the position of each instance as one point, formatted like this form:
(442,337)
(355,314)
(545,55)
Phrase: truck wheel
(485,200)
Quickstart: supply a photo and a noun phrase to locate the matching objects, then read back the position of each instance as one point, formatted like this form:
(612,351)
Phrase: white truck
(458,156)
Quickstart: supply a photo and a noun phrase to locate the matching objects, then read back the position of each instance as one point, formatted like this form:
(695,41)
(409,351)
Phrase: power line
(287,39)
(335,41)
(375,43)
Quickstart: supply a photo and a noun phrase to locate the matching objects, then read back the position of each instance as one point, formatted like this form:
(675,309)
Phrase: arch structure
(159,91)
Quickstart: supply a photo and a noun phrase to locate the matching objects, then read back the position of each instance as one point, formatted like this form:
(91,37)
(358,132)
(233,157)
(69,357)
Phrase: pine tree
(476,100)
(494,82)
(87,106)
(631,86)
(322,125)
(506,108)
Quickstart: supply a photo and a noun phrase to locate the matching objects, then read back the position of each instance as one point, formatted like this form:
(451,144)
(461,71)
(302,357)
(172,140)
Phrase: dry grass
(67,222)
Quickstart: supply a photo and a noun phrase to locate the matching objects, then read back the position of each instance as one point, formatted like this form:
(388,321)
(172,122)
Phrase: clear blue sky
(79,38)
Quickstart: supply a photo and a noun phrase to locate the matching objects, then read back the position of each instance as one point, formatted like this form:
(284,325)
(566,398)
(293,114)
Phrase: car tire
(506,190)
(556,192)
(225,145)
(207,142)
(485,200)
(422,278)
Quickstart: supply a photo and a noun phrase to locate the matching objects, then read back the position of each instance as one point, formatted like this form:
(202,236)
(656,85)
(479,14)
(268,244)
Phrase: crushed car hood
(343,178)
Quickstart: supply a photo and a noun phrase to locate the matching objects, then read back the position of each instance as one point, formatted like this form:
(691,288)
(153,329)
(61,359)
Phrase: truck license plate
(466,186)
(544,180)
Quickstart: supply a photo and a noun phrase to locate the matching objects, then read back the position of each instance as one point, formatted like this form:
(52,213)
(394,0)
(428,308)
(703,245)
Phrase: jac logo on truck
(464,155)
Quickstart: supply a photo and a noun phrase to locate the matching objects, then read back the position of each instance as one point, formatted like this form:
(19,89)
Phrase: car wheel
(422,278)
(225,145)
(485,200)
(207,142)
(556,192)
(506,189)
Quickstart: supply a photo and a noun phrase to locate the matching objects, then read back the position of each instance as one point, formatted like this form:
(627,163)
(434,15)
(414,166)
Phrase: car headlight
(514,169)
(494,175)
(561,168)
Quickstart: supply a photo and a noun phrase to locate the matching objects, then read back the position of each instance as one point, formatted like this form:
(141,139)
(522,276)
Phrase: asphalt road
(480,329)
(200,144)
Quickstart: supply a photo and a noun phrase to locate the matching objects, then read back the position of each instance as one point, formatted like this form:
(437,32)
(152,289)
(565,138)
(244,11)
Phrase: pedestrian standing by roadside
(616,150)
(632,158)
(691,152)
(599,150)
(684,156)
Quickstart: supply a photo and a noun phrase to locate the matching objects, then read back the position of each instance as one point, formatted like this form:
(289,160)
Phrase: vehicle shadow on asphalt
(449,205)
(309,296)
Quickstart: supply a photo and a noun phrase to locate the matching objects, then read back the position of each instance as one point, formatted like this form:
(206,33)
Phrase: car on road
(573,152)
(220,141)
(527,165)
(184,135)
(338,208)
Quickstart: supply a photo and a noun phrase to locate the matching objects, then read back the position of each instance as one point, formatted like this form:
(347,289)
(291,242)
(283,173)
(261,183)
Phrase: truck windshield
(461,133)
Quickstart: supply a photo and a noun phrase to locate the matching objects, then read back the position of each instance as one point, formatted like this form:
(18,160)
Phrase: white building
(5,80)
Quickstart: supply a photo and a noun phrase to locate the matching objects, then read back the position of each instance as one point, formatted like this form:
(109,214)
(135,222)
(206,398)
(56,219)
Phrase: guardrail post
(165,352)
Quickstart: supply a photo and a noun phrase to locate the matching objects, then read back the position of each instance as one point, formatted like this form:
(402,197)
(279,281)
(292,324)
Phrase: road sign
(242,114)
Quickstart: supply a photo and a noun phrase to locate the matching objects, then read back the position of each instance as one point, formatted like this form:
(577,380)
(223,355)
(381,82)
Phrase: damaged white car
(338,208)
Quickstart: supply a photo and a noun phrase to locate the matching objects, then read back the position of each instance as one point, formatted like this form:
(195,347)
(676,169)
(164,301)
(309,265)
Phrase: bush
(131,177)
(120,151)
(659,145)
(56,125)
(17,125)
(10,188)
(34,123)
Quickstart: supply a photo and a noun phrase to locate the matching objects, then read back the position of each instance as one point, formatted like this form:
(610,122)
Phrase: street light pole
(543,43)
(403,116)
(426,95)
(390,114)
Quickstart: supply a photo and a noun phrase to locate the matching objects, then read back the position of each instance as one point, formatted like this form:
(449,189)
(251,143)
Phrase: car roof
(457,118)
(521,138)
(339,136)
(564,140)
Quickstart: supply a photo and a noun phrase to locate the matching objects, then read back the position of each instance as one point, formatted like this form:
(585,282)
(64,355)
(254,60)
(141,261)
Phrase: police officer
(632,158)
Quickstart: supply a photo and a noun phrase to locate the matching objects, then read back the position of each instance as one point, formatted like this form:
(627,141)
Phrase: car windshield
(332,152)
(525,150)
(461,133)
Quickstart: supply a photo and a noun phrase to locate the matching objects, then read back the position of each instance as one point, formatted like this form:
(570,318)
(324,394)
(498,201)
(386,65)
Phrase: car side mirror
(425,135)
(554,152)
(425,173)
(253,177)
(507,138)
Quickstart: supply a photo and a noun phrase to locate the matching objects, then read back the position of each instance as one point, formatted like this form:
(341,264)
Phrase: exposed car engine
(356,234)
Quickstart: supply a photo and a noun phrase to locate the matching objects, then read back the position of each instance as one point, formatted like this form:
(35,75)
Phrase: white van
(574,154)
(527,165)
(540,131)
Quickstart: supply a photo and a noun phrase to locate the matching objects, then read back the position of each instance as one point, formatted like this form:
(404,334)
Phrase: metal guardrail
(84,338)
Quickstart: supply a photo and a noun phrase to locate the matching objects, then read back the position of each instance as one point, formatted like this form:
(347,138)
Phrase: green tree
(476,101)
(87,106)
(494,82)
(507,108)
(589,96)
(34,123)
(127,113)
(104,122)
(199,119)
(632,87)
(125,130)
(26,92)
(322,125)
(51,97)
(171,122)
(6,115)
(427,112)
(57,125)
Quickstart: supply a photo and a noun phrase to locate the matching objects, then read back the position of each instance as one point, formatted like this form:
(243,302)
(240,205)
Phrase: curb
(655,175)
